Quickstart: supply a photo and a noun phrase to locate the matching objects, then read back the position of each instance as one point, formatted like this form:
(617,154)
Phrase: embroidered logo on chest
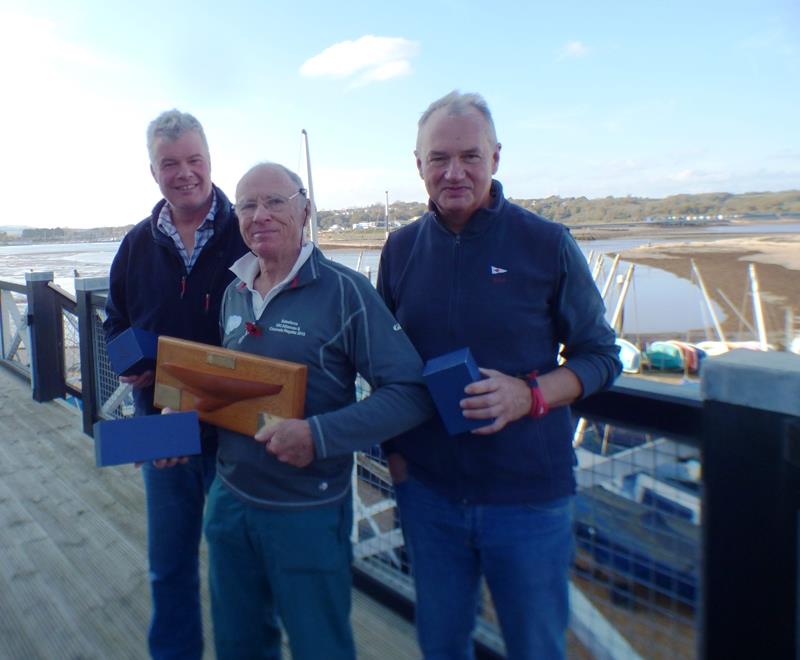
(498,274)
(288,328)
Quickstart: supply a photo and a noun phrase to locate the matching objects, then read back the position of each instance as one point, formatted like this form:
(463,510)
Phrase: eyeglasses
(273,203)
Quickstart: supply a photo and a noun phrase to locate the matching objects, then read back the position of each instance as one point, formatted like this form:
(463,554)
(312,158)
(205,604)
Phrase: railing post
(751,464)
(46,328)
(84,288)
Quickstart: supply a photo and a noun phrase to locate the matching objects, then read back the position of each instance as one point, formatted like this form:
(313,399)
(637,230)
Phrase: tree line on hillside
(582,210)
(573,211)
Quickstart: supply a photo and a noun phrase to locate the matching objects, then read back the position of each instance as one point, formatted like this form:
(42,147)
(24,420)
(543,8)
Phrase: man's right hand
(144,379)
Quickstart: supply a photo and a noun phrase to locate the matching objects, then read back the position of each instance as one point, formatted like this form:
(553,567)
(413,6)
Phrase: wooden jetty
(73,562)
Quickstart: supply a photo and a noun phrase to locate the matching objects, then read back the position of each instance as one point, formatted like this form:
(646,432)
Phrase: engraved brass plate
(167,396)
(223,361)
(267,420)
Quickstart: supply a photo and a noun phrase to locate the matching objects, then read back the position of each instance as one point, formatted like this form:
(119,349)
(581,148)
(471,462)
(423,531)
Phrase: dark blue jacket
(150,288)
(511,286)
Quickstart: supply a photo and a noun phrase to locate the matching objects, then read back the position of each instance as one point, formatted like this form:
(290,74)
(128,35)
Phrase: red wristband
(539,407)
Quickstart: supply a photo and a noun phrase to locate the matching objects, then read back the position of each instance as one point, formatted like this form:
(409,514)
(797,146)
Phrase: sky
(589,98)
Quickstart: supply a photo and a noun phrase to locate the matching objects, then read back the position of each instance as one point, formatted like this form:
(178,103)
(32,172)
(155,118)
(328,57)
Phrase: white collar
(247,269)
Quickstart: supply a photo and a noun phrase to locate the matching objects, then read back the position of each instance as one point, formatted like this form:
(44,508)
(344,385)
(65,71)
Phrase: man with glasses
(168,277)
(280,512)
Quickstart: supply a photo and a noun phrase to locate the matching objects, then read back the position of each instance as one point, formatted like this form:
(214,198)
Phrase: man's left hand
(504,398)
(290,441)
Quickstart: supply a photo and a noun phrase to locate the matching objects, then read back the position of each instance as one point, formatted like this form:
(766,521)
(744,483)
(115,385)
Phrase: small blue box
(133,351)
(140,439)
(446,377)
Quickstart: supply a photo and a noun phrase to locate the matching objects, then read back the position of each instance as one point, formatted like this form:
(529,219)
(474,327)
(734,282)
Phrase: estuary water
(657,302)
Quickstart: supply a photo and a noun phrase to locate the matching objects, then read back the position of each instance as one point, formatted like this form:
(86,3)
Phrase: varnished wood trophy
(237,391)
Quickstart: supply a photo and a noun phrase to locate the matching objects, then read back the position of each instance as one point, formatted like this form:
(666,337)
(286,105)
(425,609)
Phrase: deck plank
(73,562)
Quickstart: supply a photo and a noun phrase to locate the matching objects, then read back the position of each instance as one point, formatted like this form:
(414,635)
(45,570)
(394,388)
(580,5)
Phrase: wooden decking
(73,569)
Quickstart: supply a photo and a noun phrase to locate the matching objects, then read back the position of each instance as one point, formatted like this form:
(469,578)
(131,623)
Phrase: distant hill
(581,210)
(572,211)
(676,208)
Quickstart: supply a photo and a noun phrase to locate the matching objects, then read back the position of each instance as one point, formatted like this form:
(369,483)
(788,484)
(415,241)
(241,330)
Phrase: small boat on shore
(665,356)
(630,356)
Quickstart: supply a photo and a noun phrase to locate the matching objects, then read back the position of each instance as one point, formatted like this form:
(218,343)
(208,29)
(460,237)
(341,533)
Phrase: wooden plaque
(238,391)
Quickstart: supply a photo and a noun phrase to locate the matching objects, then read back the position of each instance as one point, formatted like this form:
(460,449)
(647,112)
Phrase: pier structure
(686,512)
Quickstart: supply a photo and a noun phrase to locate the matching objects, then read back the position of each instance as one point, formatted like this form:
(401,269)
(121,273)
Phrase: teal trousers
(267,565)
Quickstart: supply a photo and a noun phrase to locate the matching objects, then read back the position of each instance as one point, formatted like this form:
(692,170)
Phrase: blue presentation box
(446,377)
(140,439)
(133,351)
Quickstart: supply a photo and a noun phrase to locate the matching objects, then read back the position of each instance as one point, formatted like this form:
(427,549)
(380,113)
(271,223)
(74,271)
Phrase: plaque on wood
(237,391)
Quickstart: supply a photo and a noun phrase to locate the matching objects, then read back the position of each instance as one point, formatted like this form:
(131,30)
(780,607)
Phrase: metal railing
(686,511)
(40,336)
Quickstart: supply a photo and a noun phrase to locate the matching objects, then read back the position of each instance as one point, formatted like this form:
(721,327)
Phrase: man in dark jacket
(168,277)
(481,272)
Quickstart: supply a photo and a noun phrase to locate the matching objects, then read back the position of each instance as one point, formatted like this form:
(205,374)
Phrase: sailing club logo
(498,274)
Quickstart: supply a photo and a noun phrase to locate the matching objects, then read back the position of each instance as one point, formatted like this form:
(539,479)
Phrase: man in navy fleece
(168,277)
(479,271)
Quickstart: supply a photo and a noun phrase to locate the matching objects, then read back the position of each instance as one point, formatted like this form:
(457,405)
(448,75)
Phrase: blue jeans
(524,551)
(175,498)
(292,564)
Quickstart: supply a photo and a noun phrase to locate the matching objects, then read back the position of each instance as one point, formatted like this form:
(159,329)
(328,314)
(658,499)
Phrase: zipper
(452,305)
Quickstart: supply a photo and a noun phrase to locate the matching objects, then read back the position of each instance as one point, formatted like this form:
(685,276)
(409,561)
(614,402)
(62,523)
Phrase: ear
(153,172)
(419,164)
(496,157)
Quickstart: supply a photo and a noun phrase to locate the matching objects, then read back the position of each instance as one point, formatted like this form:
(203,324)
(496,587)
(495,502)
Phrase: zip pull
(183,286)
(207,302)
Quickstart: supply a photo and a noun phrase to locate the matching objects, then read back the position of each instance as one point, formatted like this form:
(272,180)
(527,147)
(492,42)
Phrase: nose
(261,211)
(184,170)
(455,170)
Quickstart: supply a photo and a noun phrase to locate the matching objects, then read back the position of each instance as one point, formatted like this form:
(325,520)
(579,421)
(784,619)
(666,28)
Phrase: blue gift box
(140,439)
(133,351)
(446,377)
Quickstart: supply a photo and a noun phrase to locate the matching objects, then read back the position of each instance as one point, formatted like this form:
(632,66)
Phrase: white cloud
(573,49)
(28,41)
(367,59)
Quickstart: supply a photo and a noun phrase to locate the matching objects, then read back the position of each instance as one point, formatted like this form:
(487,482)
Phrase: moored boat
(665,356)
(630,356)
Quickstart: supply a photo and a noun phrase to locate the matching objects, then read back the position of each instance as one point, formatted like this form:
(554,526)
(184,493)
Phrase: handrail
(13,286)
(650,406)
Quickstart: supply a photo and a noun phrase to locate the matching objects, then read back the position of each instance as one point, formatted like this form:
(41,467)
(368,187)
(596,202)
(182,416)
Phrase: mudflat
(724,264)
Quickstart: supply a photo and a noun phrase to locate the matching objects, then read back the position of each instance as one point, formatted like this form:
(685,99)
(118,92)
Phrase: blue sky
(595,99)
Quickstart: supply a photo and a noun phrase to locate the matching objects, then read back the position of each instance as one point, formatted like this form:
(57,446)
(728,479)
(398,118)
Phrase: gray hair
(171,124)
(458,104)
(293,177)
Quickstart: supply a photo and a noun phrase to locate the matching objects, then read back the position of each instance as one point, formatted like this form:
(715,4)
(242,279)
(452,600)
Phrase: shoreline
(724,266)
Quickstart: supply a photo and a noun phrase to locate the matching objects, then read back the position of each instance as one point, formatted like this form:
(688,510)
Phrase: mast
(711,311)
(312,226)
(387,214)
(597,266)
(615,318)
(757,311)
(610,277)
